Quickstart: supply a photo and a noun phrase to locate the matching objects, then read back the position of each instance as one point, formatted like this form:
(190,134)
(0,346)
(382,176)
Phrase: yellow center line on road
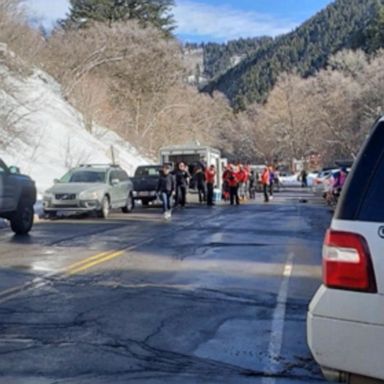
(90,264)
(92,261)
(87,260)
(72,269)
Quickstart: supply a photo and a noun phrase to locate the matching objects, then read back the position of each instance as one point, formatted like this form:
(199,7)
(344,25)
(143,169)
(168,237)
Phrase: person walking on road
(247,169)
(265,180)
(242,178)
(200,180)
(304,179)
(339,180)
(210,177)
(252,185)
(182,182)
(233,184)
(271,181)
(165,188)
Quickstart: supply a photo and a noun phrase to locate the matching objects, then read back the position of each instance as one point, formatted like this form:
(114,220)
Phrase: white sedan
(294,180)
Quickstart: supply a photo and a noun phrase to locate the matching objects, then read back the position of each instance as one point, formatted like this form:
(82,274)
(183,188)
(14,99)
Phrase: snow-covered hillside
(47,134)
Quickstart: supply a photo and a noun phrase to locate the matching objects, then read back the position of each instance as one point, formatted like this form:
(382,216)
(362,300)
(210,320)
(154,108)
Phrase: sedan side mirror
(56,181)
(115,182)
(14,170)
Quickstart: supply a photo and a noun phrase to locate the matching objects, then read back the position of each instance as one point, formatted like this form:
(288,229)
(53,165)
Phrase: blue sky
(215,20)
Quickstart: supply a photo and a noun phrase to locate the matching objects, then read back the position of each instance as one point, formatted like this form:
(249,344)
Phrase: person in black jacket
(165,188)
(200,181)
(182,182)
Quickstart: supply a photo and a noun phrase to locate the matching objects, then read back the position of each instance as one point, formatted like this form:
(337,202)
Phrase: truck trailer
(194,155)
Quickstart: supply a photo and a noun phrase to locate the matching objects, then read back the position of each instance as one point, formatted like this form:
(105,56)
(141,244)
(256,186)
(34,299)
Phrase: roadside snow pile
(45,136)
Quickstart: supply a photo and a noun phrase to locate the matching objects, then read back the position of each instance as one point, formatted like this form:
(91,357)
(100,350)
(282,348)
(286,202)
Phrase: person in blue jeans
(165,188)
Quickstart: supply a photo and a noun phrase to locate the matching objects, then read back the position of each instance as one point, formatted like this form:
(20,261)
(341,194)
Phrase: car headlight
(48,196)
(88,195)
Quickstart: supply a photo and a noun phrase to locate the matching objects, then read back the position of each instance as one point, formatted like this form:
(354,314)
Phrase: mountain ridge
(304,50)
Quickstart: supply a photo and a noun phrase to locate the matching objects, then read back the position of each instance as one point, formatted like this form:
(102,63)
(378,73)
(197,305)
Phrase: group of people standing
(177,183)
(239,183)
(236,178)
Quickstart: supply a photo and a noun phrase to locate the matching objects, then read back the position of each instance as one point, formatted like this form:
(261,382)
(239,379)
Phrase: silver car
(90,188)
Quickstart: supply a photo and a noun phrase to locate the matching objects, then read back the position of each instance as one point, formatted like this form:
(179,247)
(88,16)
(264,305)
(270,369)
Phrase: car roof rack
(99,165)
(344,163)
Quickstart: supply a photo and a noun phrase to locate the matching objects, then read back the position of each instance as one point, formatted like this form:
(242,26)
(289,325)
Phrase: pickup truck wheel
(130,205)
(22,219)
(50,214)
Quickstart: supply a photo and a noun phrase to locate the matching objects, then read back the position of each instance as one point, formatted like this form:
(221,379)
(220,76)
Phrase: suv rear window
(363,198)
(147,171)
(372,208)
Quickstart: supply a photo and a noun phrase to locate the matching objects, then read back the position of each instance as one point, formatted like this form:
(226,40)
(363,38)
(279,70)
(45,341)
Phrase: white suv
(345,325)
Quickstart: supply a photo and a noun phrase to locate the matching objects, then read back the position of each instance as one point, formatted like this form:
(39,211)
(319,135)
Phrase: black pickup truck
(17,198)
(145,183)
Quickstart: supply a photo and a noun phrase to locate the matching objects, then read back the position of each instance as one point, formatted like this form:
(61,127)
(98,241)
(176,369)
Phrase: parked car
(287,179)
(294,179)
(345,324)
(17,198)
(321,183)
(145,183)
(90,188)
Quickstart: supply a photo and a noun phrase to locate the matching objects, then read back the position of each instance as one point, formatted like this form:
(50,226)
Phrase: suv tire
(105,208)
(130,205)
(22,219)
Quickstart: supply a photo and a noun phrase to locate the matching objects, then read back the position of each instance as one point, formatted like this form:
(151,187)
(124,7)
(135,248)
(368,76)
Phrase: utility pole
(113,155)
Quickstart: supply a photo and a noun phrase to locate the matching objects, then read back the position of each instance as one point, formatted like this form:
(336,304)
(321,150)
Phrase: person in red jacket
(265,180)
(242,178)
(233,184)
(226,173)
(210,178)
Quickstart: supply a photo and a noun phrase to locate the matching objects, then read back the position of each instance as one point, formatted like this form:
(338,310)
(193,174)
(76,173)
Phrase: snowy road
(215,296)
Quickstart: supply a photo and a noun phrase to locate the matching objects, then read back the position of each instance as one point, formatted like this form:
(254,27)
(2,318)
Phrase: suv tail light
(347,262)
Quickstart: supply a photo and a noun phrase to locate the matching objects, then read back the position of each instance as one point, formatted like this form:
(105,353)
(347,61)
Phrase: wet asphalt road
(217,295)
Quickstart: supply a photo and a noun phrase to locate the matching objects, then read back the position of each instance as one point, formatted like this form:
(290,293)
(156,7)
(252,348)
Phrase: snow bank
(55,138)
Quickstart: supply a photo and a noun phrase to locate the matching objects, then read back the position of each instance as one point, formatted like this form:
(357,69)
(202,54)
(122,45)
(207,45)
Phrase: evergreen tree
(306,50)
(371,39)
(147,12)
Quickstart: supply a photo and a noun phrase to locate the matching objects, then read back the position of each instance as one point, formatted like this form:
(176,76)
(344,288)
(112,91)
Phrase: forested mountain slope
(306,50)
(218,58)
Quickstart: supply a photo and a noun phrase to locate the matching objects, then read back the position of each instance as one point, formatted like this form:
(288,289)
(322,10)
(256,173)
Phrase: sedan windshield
(84,177)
